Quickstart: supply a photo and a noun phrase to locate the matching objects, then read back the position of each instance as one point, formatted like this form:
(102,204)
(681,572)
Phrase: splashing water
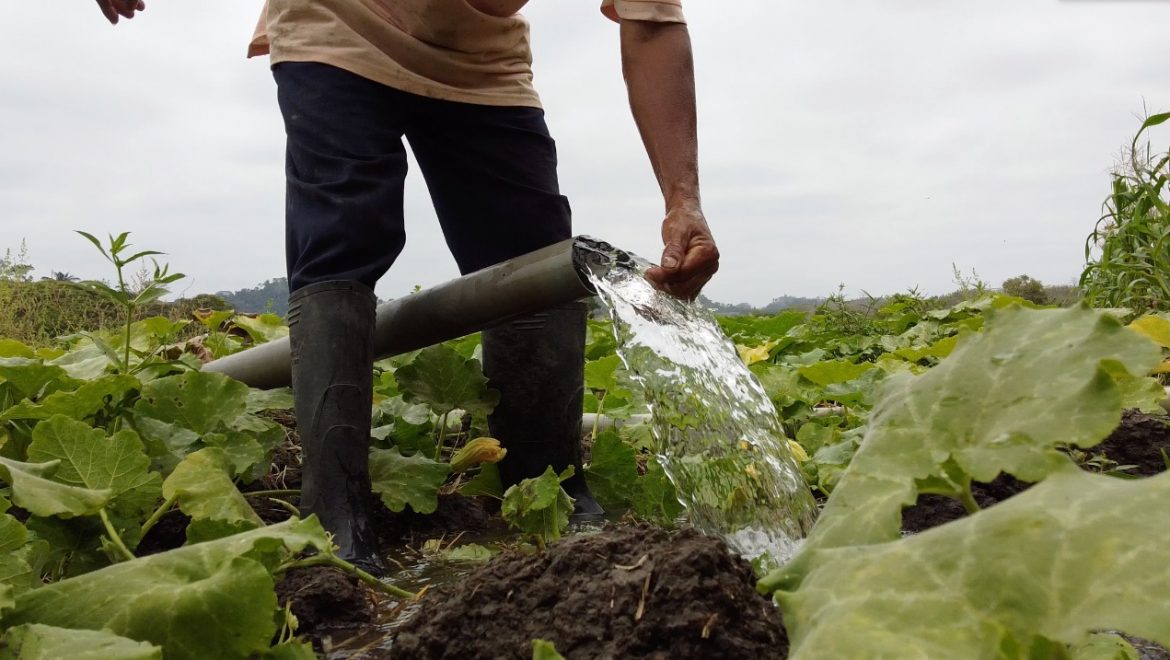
(716,431)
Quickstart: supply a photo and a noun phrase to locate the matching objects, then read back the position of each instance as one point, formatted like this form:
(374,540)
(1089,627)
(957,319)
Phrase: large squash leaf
(539,506)
(1001,402)
(207,600)
(87,400)
(202,485)
(407,480)
(1076,553)
(194,400)
(34,491)
(38,642)
(445,380)
(88,458)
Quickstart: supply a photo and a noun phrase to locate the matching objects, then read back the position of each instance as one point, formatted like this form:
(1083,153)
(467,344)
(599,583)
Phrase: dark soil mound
(627,592)
(455,514)
(325,598)
(935,510)
(1141,440)
(168,533)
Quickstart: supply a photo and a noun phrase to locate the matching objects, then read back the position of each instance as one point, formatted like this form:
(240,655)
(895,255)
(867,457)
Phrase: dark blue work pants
(491,172)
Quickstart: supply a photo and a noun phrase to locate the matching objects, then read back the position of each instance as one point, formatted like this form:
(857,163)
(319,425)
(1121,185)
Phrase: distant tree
(1027,288)
(59,276)
(269,296)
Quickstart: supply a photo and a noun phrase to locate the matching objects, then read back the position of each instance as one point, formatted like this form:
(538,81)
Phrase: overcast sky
(870,143)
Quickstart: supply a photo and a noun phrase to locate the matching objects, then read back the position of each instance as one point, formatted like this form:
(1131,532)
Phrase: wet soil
(325,599)
(456,514)
(1141,441)
(626,592)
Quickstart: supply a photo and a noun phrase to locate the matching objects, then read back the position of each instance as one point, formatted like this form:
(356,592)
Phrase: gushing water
(716,431)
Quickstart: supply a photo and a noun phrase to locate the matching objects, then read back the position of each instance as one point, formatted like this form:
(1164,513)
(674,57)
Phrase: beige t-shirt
(444,49)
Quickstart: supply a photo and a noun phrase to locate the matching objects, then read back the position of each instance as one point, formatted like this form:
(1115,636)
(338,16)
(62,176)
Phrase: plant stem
(158,513)
(968,500)
(114,538)
(272,493)
(322,559)
(597,417)
(129,314)
(286,506)
(442,434)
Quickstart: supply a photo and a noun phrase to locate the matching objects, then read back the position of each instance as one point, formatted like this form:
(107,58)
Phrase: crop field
(991,478)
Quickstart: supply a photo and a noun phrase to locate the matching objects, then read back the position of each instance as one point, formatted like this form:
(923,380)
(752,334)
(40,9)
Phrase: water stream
(716,434)
(716,431)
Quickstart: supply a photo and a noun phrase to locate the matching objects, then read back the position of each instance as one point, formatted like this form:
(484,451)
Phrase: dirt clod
(325,598)
(627,592)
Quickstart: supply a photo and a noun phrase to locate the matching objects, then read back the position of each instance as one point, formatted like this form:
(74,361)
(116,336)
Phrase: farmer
(454,78)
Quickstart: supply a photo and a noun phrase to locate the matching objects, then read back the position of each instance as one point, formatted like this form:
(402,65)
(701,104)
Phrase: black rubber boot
(538,364)
(331,331)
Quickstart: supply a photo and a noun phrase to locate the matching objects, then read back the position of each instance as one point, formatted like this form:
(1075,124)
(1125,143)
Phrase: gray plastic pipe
(530,283)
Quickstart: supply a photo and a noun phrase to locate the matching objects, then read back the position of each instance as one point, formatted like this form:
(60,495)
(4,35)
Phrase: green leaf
(1104,646)
(87,400)
(85,360)
(195,400)
(203,487)
(539,506)
(38,642)
(940,349)
(280,398)
(833,371)
(407,480)
(33,490)
(545,650)
(445,380)
(88,458)
(998,583)
(263,327)
(15,570)
(212,319)
(33,379)
(469,552)
(75,545)
(12,534)
(1001,402)
(208,600)
(7,598)
(243,451)
(1154,120)
(12,348)
(612,474)
(602,375)
(166,439)
(290,650)
(96,243)
(655,497)
(487,483)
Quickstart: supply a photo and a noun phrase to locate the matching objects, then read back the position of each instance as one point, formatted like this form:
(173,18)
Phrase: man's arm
(659,72)
(115,8)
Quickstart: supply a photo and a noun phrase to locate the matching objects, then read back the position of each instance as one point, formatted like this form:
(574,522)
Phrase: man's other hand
(115,8)
(690,257)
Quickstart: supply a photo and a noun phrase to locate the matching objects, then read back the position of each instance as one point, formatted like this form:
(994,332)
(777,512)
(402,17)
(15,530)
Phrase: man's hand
(690,257)
(115,8)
